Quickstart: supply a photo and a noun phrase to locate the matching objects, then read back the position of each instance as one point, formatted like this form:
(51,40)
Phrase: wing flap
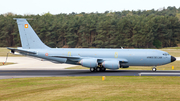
(100,60)
(69,57)
(119,59)
(123,60)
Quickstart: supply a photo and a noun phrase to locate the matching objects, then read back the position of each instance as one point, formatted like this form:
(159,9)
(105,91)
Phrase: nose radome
(173,59)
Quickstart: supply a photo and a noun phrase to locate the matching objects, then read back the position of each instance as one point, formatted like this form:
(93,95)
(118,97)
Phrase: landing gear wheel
(103,69)
(154,69)
(92,69)
(98,69)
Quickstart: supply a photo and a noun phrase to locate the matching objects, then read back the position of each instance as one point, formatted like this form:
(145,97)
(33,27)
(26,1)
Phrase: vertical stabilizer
(29,38)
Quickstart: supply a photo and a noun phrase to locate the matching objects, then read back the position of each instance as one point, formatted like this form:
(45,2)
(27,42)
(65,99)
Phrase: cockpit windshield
(165,54)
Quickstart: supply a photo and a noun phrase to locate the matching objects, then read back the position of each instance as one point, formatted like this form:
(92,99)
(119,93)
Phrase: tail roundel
(29,38)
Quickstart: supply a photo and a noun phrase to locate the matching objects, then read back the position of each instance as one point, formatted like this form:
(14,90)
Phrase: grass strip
(91,88)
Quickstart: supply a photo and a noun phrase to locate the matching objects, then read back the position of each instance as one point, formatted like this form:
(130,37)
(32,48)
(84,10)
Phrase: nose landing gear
(154,69)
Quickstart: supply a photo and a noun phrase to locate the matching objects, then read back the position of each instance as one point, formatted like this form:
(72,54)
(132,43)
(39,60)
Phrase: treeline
(130,29)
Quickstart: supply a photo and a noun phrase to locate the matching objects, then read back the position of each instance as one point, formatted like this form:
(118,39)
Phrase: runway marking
(159,73)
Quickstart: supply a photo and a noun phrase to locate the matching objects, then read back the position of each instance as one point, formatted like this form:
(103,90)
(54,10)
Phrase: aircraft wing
(120,59)
(20,51)
(123,60)
(69,57)
(77,58)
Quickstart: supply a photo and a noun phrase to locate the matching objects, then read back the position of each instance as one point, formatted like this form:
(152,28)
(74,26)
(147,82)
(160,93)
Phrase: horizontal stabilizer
(20,51)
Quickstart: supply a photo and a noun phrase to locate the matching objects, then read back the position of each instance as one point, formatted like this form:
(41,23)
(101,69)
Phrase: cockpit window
(165,54)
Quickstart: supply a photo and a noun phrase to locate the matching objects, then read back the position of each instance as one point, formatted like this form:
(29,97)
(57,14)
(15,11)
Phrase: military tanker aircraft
(95,59)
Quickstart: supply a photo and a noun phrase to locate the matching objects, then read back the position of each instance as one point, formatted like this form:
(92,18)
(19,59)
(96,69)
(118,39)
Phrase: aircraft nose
(173,59)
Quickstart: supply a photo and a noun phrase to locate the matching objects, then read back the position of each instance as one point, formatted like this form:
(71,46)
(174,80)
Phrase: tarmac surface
(30,67)
(6,74)
(30,63)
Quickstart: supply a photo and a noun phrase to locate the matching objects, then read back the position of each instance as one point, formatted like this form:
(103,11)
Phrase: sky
(68,6)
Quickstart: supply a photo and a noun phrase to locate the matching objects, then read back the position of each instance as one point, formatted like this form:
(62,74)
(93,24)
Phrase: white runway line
(159,74)
(27,63)
(177,58)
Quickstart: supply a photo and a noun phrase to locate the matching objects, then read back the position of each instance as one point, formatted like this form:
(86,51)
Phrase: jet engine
(91,63)
(111,64)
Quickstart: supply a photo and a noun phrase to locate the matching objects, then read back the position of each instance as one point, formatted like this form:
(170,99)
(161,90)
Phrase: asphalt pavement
(32,67)
(5,74)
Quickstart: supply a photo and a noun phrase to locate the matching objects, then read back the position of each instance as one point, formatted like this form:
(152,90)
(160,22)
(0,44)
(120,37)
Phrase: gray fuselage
(132,57)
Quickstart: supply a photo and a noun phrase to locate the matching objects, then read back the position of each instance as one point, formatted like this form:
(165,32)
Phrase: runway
(5,74)
(32,67)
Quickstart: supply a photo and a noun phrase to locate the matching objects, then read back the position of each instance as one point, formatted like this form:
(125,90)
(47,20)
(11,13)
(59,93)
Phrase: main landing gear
(92,69)
(154,69)
(98,69)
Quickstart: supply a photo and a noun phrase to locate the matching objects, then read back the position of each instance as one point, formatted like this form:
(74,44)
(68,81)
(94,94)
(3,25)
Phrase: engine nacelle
(91,63)
(111,64)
